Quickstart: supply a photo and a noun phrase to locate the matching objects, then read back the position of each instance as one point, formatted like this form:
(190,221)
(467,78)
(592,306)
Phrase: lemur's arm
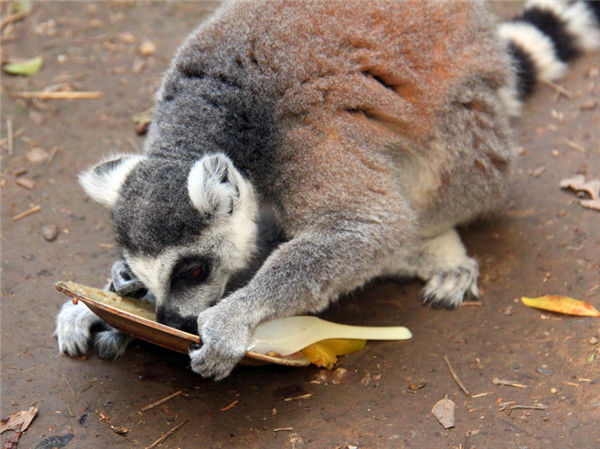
(301,276)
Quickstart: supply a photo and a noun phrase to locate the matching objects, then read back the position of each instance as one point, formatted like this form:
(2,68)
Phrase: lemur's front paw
(73,329)
(450,287)
(111,344)
(225,337)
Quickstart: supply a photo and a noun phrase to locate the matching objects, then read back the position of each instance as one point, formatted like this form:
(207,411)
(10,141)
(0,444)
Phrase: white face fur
(187,278)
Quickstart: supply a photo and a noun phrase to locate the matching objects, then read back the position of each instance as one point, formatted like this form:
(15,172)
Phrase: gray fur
(370,129)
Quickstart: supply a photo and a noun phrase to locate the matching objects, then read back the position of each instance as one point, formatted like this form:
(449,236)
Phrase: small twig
(161,401)
(283,429)
(12,18)
(478,395)
(53,153)
(455,376)
(31,211)
(16,134)
(227,407)
(574,146)
(9,136)
(296,398)
(471,304)
(68,384)
(528,407)
(507,383)
(557,88)
(93,382)
(504,405)
(60,95)
(166,435)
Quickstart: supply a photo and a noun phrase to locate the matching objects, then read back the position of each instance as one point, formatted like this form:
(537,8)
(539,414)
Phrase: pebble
(147,48)
(50,232)
(544,370)
(24,182)
(37,155)
(593,340)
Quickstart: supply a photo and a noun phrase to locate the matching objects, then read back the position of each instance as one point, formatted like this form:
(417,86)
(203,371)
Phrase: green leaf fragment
(21,6)
(144,117)
(26,68)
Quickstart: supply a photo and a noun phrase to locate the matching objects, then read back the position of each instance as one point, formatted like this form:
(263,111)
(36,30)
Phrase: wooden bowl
(137,318)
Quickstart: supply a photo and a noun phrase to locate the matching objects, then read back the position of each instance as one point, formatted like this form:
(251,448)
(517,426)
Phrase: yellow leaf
(561,304)
(323,353)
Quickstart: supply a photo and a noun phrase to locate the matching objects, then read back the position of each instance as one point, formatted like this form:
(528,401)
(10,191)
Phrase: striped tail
(543,39)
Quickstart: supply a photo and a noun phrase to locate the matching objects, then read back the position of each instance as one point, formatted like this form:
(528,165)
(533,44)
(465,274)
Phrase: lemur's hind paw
(449,288)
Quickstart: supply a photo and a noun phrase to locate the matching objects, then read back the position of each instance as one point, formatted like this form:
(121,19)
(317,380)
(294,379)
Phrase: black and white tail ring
(544,38)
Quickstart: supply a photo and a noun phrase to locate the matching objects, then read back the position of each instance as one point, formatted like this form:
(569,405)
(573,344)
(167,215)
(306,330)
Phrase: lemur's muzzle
(173,319)
(124,282)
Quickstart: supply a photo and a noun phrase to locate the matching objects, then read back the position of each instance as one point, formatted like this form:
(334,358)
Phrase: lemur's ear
(215,185)
(103,181)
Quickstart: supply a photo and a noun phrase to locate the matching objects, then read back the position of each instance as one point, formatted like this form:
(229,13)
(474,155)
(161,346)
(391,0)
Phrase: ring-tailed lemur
(370,129)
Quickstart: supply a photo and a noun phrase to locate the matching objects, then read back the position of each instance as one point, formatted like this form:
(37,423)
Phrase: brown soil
(543,242)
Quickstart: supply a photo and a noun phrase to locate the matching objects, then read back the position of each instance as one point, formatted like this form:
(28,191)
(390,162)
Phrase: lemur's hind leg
(450,275)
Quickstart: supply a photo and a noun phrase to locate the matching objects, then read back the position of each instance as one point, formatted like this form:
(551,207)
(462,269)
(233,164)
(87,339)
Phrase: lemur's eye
(196,273)
(191,270)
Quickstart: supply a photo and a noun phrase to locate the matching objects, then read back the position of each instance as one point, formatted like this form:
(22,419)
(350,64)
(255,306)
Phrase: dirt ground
(543,242)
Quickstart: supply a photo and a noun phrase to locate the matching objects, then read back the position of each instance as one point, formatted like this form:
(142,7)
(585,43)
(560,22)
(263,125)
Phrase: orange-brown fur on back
(354,88)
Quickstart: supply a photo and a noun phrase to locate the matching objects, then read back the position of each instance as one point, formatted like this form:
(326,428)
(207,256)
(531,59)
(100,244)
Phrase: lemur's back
(268,81)
(401,56)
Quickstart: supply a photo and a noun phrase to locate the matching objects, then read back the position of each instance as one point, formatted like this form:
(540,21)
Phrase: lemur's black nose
(173,319)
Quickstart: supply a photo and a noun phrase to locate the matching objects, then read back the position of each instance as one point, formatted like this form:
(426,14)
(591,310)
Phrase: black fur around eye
(190,271)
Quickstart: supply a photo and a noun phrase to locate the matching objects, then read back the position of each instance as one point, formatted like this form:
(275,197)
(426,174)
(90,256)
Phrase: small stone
(147,48)
(24,182)
(37,155)
(126,37)
(593,340)
(50,232)
(545,371)
(553,390)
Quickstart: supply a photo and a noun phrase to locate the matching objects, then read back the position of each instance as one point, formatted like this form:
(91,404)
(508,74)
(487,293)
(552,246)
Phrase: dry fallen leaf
(561,304)
(592,188)
(591,204)
(19,421)
(443,410)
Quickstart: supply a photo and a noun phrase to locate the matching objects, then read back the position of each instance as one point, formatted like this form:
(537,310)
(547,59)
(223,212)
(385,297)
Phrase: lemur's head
(184,227)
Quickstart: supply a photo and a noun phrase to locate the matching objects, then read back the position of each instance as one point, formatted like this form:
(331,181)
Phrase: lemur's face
(185,227)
